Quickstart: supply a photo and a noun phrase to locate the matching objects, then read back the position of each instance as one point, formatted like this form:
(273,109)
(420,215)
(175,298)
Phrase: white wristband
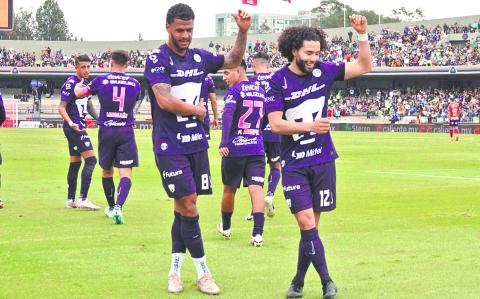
(70,123)
(362,37)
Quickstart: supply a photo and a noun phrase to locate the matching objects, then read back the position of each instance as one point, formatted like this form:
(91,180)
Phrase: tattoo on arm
(235,55)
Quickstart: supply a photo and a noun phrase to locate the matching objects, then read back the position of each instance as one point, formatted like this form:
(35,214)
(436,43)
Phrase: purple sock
(258,221)
(303,263)
(109,190)
(273,179)
(226,220)
(192,236)
(87,172)
(313,248)
(177,242)
(122,191)
(72,179)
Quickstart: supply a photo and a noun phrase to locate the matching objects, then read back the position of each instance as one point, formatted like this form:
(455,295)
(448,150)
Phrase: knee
(91,161)
(187,207)
(107,173)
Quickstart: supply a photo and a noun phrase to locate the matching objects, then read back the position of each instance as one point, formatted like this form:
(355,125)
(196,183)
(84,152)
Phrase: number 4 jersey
(242,119)
(76,107)
(176,134)
(304,99)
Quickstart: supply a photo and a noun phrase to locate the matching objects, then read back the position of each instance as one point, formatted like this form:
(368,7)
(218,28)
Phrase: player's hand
(201,111)
(359,23)
(215,124)
(76,128)
(321,126)
(78,89)
(243,20)
(223,151)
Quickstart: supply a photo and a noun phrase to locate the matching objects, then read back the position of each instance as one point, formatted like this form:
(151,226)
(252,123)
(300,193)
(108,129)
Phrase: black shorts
(117,147)
(272,151)
(249,168)
(77,142)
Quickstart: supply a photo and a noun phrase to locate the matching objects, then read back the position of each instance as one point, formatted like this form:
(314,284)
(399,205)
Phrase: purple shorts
(249,168)
(454,122)
(77,142)
(183,175)
(310,187)
(117,147)
(272,151)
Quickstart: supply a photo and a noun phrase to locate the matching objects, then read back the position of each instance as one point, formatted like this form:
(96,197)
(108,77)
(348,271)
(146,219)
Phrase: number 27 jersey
(304,99)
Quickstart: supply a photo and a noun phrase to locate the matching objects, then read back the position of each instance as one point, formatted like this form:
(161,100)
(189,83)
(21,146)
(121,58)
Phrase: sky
(98,20)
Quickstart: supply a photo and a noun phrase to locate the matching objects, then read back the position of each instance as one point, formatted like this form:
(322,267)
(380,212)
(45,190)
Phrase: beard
(177,44)
(302,65)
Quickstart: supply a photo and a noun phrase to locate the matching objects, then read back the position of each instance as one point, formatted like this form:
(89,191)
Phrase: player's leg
(108,189)
(450,130)
(72,176)
(324,200)
(106,159)
(273,151)
(232,170)
(89,165)
(456,131)
(227,207)
(254,178)
(122,193)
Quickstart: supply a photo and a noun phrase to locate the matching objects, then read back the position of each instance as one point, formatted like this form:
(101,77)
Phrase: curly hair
(292,38)
(180,11)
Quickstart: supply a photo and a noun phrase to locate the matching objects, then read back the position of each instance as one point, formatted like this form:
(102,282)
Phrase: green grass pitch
(407,225)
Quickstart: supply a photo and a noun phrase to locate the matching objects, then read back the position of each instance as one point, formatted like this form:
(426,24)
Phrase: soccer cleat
(86,205)
(249,217)
(70,204)
(108,212)
(456,138)
(329,290)
(294,291)
(269,206)
(207,285)
(225,233)
(117,215)
(257,241)
(175,284)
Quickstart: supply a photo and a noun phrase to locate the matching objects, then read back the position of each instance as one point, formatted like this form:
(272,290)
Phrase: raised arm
(364,62)
(167,102)
(235,55)
(285,127)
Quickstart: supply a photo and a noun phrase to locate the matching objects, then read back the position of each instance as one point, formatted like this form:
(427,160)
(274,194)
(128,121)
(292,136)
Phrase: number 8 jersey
(76,107)
(176,134)
(304,99)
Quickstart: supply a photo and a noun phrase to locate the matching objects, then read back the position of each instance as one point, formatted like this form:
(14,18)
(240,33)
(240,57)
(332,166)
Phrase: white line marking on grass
(425,175)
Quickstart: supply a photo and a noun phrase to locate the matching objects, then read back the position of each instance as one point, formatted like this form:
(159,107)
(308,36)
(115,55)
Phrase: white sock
(201,266)
(177,261)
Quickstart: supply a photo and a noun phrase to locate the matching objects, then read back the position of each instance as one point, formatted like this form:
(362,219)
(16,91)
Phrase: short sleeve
(274,96)
(335,70)
(213,62)
(157,69)
(230,99)
(67,93)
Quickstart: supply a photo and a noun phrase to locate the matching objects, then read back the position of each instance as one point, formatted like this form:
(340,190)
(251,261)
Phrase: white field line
(425,175)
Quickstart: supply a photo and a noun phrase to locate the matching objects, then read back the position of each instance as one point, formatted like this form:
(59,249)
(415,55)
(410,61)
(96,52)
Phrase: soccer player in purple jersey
(2,119)
(208,93)
(73,110)
(241,149)
(297,108)
(117,94)
(175,74)
(271,141)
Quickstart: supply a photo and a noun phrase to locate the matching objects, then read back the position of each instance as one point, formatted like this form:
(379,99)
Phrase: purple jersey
(268,136)
(76,107)
(304,99)
(176,134)
(117,94)
(207,88)
(241,120)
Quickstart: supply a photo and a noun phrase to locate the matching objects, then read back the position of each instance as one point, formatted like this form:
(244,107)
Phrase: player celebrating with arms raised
(175,74)
(297,108)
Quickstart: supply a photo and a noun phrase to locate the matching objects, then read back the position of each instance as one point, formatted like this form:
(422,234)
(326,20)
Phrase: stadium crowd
(430,103)
(415,46)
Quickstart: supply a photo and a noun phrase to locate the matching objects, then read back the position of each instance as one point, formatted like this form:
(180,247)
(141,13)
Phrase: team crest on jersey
(171,187)
(317,73)
(163,146)
(197,58)
(87,144)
